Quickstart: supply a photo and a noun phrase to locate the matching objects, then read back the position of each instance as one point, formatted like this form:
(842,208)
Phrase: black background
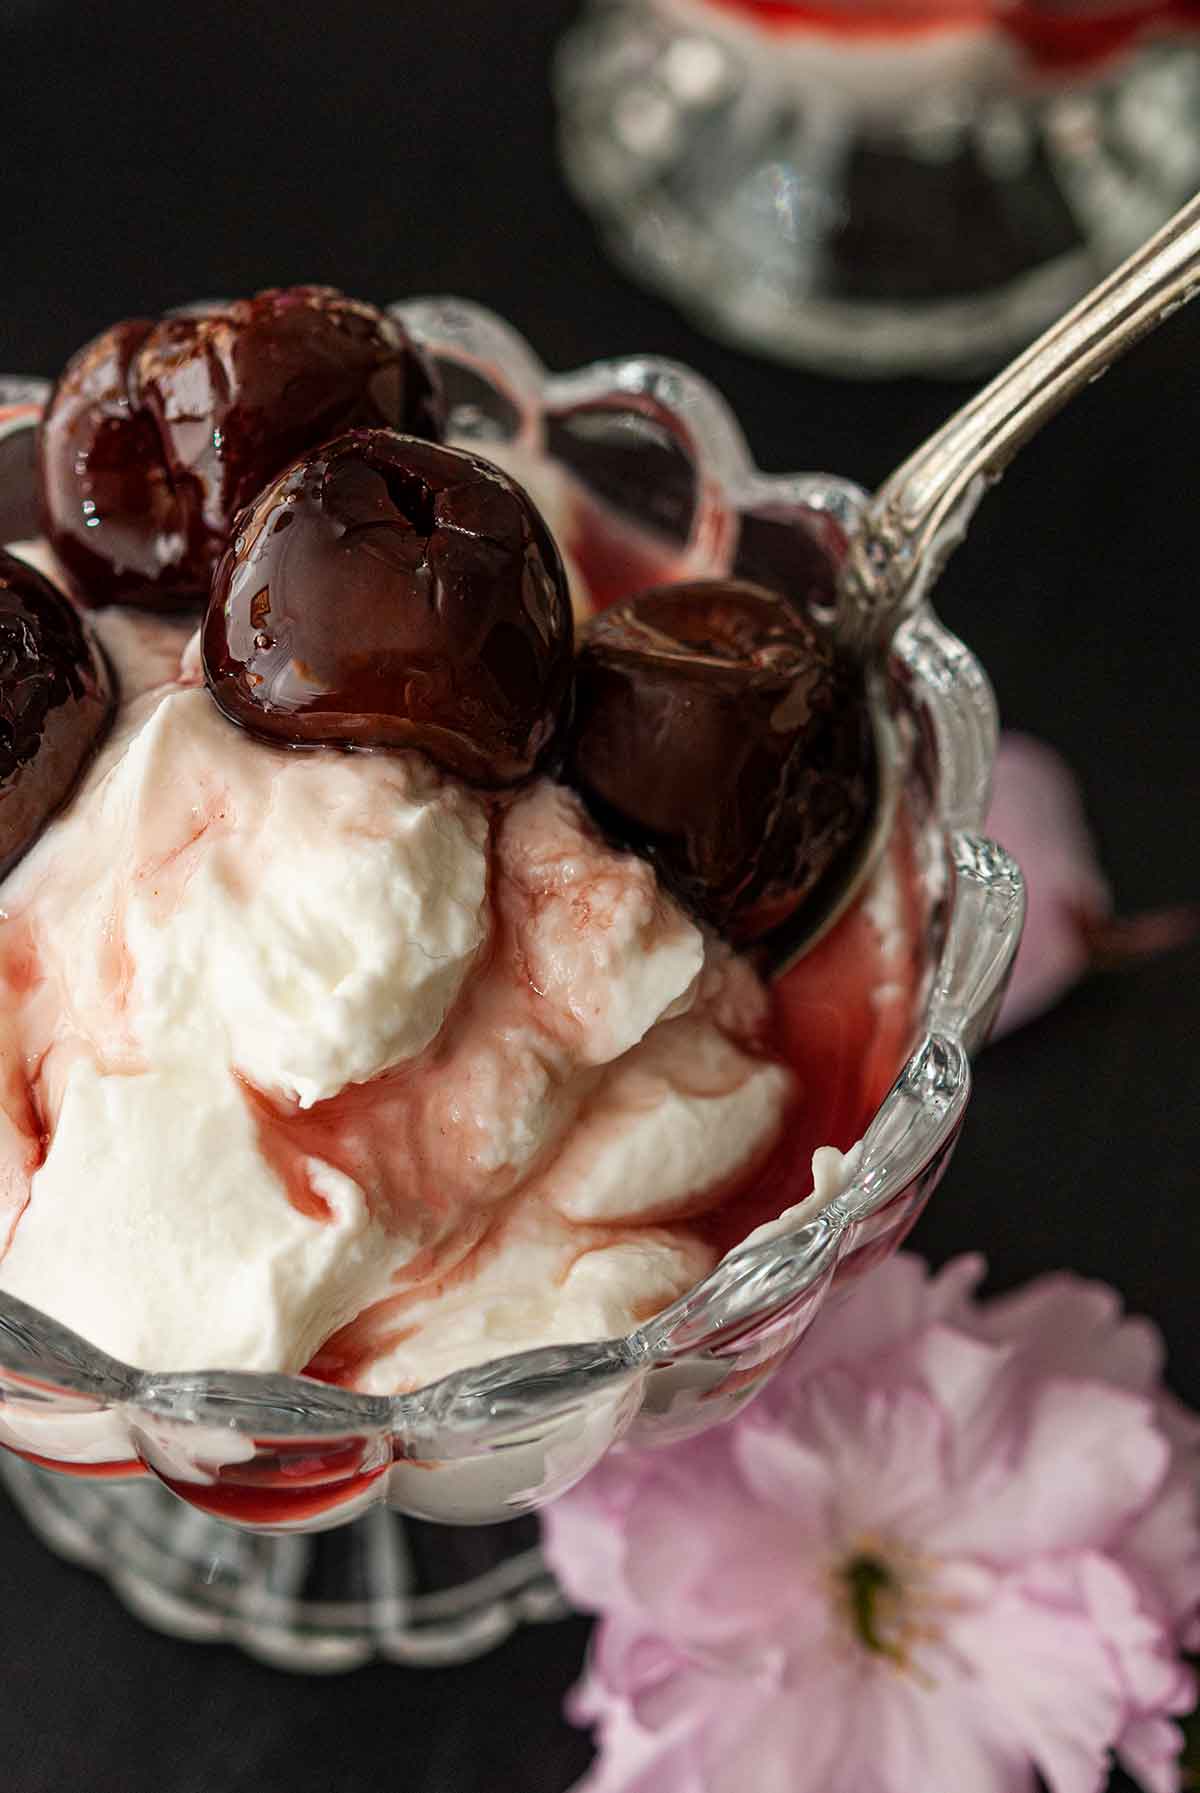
(149,155)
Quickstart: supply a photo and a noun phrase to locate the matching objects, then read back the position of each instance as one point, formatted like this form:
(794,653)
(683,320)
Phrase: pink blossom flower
(953,1543)
(1037,813)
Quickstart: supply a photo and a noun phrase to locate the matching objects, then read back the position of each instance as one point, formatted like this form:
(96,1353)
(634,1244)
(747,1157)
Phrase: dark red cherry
(19,515)
(158,433)
(104,479)
(56,700)
(386,592)
(719,733)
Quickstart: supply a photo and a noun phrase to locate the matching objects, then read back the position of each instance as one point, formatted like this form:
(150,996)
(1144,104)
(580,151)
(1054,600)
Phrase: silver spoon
(909,529)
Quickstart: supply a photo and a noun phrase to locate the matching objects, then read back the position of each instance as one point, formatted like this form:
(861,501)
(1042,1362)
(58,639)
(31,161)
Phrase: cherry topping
(158,433)
(56,700)
(386,592)
(719,733)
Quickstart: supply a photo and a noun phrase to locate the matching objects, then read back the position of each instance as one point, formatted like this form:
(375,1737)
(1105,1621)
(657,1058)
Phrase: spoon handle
(919,515)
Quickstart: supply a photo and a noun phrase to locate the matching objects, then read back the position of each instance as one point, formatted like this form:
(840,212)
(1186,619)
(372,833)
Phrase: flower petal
(1161,1550)
(1044,1681)
(1141,1646)
(1149,1750)
(1063,1325)
(631,1760)
(583,1532)
(1037,813)
(931,1739)
(973,1381)
(881,1312)
(629,1662)
(711,1563)
(792,1744)
(1086,1462)
(789,1476)
(883,1449)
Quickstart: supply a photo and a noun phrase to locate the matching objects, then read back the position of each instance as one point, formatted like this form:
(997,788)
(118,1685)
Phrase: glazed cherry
(158,433)
(56,701)
(387,592)
(720,734)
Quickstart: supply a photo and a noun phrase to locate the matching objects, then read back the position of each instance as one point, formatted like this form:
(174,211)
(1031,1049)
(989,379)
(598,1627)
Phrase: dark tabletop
(149,155)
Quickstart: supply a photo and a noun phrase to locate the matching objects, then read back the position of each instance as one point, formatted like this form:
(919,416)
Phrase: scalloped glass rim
(756,1302)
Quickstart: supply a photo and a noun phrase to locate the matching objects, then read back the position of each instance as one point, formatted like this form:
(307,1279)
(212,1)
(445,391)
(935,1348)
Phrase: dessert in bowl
(381,1127)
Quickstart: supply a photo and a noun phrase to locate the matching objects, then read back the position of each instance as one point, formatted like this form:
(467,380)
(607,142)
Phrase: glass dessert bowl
(200,1494)
(879,186)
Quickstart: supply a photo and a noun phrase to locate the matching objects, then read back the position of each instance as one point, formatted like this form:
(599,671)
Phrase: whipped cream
(306,920)
(322,1060)
(673,1121)
(317,924)
(606,951)
(542,1282)
(152,1229)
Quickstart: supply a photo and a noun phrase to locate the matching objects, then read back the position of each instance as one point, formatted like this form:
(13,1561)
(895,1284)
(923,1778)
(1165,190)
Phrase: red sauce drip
(617,562)
(347,1354)
(22,1126)
(907,18)
(287,1156)
(1075,40)
(1055,38)
(286,1484)
(346,1357)
(20,965)
(846,1050)
(117,968)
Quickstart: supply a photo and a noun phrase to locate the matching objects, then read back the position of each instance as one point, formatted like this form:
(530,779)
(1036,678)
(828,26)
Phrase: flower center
(871,1593)
(887,1604)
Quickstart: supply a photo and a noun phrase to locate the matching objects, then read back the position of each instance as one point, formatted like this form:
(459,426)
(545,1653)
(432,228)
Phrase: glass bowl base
(381,1588)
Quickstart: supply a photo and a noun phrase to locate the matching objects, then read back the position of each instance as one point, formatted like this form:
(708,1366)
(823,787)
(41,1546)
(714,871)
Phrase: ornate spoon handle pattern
(919,515)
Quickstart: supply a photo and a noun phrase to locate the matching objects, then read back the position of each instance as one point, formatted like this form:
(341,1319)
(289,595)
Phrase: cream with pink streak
(313,1047)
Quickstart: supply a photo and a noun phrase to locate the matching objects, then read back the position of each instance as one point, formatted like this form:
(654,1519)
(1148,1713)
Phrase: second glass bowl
(880,189)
